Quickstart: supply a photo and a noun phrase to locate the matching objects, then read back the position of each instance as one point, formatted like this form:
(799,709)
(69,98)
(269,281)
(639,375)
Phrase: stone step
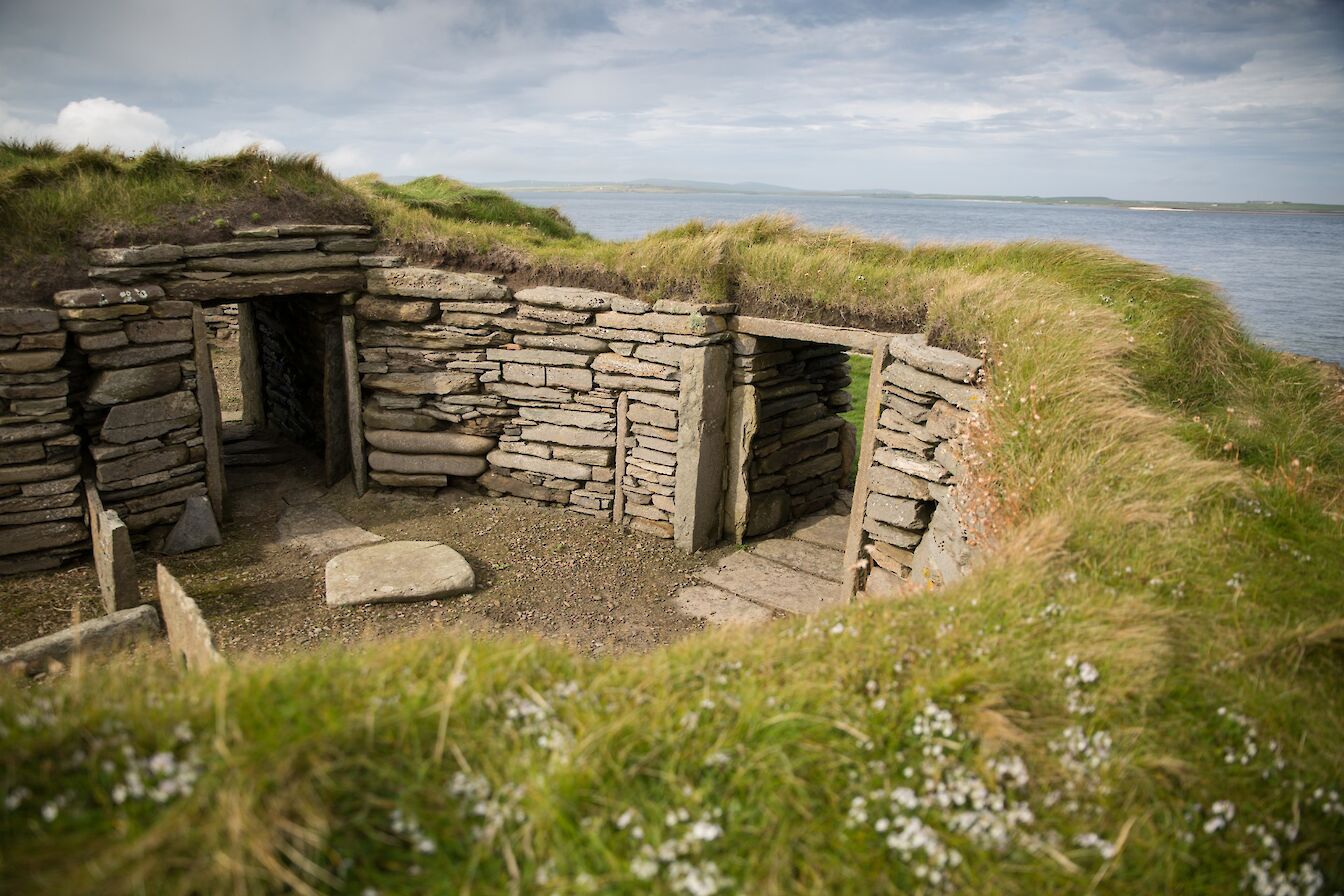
(771,584)
(823,562)
(396,571)
(718,607)
(829,531)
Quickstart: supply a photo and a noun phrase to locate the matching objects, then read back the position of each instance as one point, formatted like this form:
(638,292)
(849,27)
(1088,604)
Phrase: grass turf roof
(1166,503)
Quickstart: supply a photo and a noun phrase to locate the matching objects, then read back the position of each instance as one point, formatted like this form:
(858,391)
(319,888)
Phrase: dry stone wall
(561,395)
(42,519)
(661,416)
(797,452)
(914,522)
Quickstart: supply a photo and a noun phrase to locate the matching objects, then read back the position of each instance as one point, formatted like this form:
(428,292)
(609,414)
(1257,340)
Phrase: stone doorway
(290,382)
(791,452)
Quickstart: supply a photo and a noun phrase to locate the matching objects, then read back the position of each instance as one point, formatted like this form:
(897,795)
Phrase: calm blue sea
(1283,274)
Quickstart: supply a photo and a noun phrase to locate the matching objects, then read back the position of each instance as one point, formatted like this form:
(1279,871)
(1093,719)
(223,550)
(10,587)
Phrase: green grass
(860,366)
(50,199)
(1163,499)
(451,200)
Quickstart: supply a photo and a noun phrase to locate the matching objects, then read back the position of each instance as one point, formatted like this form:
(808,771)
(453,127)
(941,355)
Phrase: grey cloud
(1098,81)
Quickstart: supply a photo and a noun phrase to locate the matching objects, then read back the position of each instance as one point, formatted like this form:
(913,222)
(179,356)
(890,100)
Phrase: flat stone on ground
(771,584)
(827,531)
(395,571)
(824,562)
(718,607)
(320,530)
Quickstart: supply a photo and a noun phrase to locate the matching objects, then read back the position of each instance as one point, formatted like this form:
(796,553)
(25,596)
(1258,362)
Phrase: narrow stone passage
(798,573)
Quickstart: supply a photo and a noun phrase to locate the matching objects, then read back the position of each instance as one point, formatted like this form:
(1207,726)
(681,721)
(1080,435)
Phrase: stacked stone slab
(914,519)
(138,403)
(42,519)
(800,450)
(554,394)
(221,321)
(423,336)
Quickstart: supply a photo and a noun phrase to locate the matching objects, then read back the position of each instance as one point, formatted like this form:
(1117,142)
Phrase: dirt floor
(538,569)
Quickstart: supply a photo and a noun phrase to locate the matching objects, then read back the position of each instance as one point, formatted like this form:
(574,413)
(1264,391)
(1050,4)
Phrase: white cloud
(230,141)
(348,160)
(102,122)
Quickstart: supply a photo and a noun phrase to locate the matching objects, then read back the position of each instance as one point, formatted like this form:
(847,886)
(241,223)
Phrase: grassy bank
(1140,691)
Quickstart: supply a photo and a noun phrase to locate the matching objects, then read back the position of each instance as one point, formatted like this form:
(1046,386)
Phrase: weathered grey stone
(136,255)
(823,562)
(188,634)
(138,355)
(627,305)
(622,366)
(585,344)
(718,607)
(238,247)
(100,297)
(435,284)
(767,583)
(903,512)
(123,628)
(615,336)
(911,411)
(134,383)
(429,442)
(570,435)
(539,356)
(376,417)
(80,320)
(42,536)
(882,584)
(95,342)
(437,383)
(142,463)
(880,531)
(196,528)
(677,306)
(945,421)
(965,397)
(274,264)
(890,557)
(496,481)
(618,383)
(113,557)
(562,469)
(319,530)
(527,393)
(914,466)
(569,378)
(567,298)
(21,321)
(397,571)
(247,285)
(131,422)
(350,244)
(32,432)
(291,229)
(914,349)
(684,324)
(701,446)
(828,531)
(409,480)
(568,417)
(555,315)
(442,464)
(372,308)
(28,362)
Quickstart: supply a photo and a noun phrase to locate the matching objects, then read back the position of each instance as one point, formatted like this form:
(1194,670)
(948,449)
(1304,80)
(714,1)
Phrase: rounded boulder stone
(395,572)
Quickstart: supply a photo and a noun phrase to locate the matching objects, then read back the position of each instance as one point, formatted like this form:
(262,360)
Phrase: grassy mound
(1139,692)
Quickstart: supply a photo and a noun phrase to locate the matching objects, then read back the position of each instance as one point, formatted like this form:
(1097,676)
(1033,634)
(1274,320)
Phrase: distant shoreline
(1242,208)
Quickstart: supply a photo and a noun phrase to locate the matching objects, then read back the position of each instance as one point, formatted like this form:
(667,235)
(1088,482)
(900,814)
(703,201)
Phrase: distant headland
(660,185)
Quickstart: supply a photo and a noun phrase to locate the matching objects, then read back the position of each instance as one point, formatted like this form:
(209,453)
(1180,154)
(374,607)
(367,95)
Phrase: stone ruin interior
(680,419)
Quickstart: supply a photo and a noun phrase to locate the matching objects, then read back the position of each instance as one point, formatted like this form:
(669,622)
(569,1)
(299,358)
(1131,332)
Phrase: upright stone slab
(207,396)
(188,634)
(702,409)
(354,401)
(113,558)
(249,366)
(744,419)
(854,541)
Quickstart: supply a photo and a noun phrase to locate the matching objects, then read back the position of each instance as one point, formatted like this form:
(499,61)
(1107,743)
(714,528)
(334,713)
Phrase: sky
(1210,100)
